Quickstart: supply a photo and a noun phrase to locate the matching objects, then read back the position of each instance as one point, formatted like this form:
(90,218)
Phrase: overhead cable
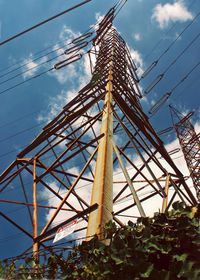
(43,22)
(28,62)
(154,64)
(21,83)
(80,43)
(21,132)
(73,41)
(54,50)
(166,96)
(160,76)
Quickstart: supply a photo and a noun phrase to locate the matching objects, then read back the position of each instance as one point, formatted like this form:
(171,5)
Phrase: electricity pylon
(190,144)
(121,172)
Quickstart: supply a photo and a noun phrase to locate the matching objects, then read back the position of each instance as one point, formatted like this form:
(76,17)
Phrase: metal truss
(52,178)
(190,145)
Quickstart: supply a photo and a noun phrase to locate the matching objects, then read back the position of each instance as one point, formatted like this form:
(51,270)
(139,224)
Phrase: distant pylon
(115,173)
(190,145)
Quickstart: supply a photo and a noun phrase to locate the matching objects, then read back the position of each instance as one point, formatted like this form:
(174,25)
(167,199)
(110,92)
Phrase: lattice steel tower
(100,154)
(190,144)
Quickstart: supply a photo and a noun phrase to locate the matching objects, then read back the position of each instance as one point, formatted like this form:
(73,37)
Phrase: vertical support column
(35,231)
(165,199)
(126,175)
(102,192)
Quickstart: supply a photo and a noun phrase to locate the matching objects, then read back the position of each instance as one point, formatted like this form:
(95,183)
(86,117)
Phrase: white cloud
(177,35)
(68,34)
(67,72)
(86,63)
(64,74)
(56,104)
(137,57)
(197,127)
(152,102)
(137,36)
(98,18)
(163,14)
(144,99)
(79,70)
(31,67)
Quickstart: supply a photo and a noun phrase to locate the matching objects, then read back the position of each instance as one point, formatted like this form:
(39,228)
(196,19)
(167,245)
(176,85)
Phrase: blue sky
(148,27)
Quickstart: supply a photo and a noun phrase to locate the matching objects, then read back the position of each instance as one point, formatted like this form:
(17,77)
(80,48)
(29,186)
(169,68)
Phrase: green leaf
(106,272)
(116,259)
(180,258)
(148,271)
(186,268)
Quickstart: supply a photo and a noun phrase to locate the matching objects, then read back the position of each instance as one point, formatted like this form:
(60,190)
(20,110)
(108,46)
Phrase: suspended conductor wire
(30,69)
(28,80)
(167,95)
(42,73)
(154,64)
(20,118)
(166,33)
(36,76)
(33,60)
(22,60)
(37,58)
(38,65)
(122,5)
(192,83)
(57,66)
(160,76)
(43,22)
(47,61)
(59,48)
(22,131)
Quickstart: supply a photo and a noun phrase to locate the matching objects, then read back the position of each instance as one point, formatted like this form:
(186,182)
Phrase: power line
(54,50)
(20,118)
(21,132)
(56,66)
(37,58)
(30,69)
(167,95)
(65,52)
(154,64)
(22,60)
(169,30)
(187,86)
(116,6)
(160,76)
(43,22)
(25,64)
(21,83)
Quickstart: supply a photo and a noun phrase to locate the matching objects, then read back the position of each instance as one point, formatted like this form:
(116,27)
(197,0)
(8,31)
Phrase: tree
(166,246)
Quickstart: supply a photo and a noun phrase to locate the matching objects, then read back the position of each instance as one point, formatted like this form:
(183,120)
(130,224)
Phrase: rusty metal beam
(68,193)
(77,216)
(31,204)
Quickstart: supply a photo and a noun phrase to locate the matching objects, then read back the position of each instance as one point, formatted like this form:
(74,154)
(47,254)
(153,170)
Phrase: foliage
(163,247)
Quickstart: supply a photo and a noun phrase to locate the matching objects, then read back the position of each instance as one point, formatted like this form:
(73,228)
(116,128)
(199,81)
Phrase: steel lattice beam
(71,157)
